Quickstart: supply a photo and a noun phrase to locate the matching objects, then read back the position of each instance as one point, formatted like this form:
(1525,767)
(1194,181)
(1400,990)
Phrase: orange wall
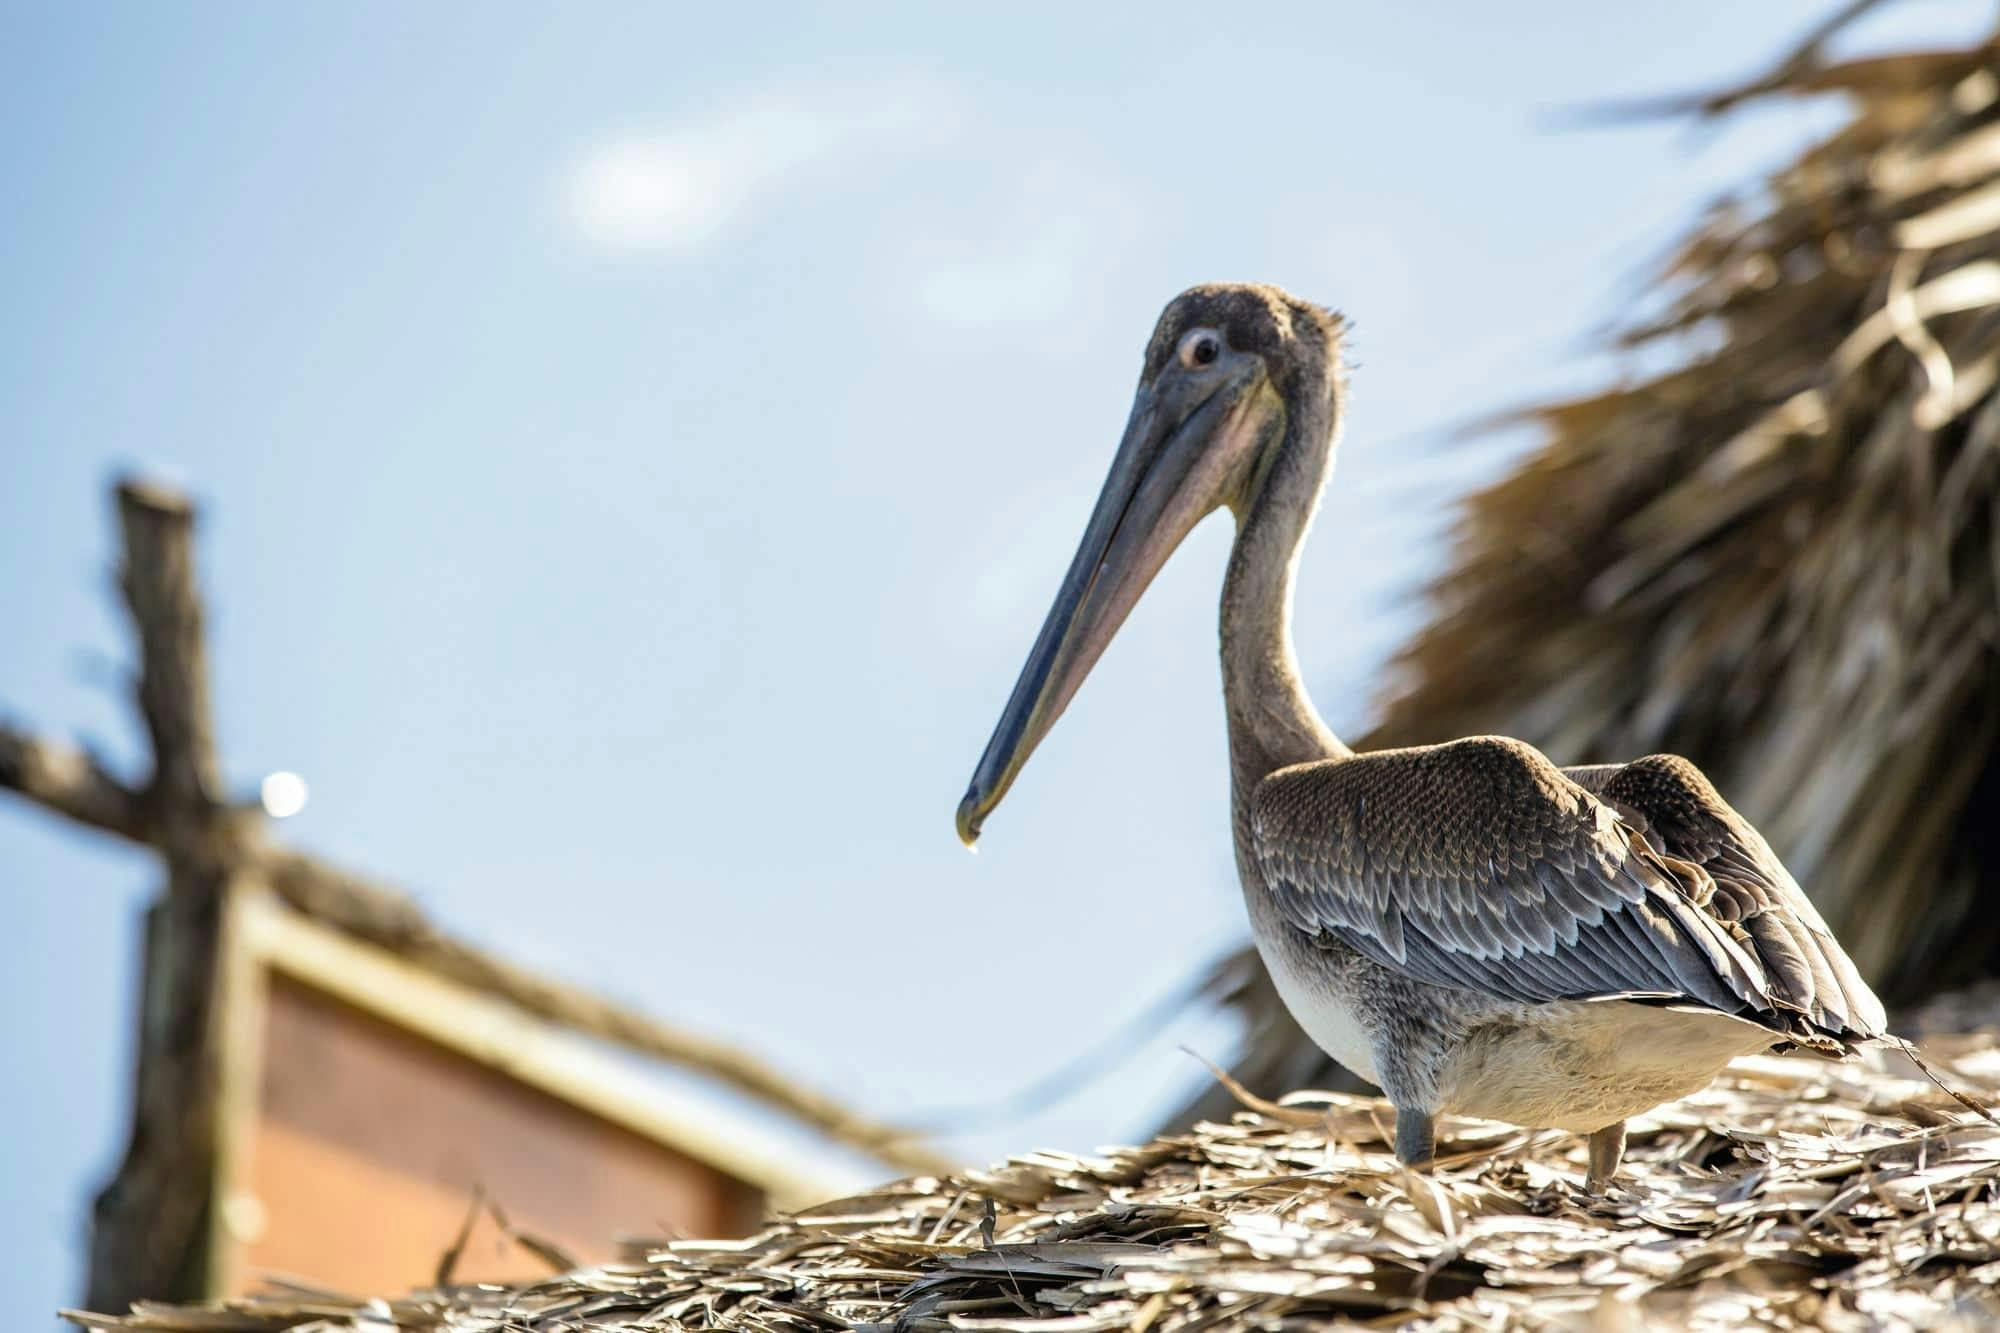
(370,1143)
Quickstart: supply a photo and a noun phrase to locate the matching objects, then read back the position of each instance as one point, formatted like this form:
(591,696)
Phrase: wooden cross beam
(150,1223)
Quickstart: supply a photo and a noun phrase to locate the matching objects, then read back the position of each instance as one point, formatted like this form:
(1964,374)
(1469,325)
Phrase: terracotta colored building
(370,1110)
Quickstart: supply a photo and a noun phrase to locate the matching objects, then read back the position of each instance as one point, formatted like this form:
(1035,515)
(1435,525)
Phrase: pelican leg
(1416,1136)
(1607,1149)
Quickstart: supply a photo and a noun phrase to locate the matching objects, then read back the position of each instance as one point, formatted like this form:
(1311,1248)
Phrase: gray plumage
(1673,804)
(1478,864)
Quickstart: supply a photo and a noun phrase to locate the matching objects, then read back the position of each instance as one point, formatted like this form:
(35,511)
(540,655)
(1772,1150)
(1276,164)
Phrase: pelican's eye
(1200,347)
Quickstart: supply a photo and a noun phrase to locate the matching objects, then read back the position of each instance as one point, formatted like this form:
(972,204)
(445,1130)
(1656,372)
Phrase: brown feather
(1478,864)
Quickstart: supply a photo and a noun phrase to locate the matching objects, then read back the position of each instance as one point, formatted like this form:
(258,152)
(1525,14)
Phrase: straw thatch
(1793,1193)
(1782,559)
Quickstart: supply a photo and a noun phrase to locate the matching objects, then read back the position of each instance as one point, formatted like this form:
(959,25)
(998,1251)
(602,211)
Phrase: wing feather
(1479,864)
(1678,808)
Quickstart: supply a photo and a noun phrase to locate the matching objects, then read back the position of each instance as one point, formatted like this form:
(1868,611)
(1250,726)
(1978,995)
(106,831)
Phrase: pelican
(1468,926)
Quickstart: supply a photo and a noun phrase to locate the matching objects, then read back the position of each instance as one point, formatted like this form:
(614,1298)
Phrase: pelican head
(1228,366)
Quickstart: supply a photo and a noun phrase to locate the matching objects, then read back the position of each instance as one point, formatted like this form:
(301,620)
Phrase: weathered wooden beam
(391,921)
(149,1226)
(157,578)
(70,782)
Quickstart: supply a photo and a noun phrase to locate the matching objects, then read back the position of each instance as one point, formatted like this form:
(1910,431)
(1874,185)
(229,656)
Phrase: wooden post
(149,1227)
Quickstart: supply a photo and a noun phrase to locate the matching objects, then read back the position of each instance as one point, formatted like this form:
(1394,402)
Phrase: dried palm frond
(1782,558)
(1794,1193)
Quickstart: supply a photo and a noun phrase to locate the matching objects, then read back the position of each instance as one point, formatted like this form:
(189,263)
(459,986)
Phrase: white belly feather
(1323,1011)
(1567,1064)
(1582,1065)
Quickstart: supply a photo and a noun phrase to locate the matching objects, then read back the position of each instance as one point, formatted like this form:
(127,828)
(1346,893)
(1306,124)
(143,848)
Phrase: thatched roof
(1782,558)
(1793,1193)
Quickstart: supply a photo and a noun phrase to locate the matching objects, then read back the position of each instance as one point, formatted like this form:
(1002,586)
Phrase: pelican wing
(1478,864)
(1679,810)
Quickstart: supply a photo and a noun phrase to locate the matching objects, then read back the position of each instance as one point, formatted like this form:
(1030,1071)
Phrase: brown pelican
(1470,927)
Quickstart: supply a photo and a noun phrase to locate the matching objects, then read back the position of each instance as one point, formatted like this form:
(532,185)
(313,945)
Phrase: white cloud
(675,189)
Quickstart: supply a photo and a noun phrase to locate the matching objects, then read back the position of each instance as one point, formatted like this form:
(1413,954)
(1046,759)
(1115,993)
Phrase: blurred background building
(330,1090)
(635,446)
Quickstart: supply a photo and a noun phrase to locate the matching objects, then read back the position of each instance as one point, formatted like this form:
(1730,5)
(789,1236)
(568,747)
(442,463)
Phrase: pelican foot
(1416,1137)
(1607,1150)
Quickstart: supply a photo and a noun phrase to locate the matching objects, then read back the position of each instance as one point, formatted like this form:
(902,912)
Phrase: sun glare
(283,795)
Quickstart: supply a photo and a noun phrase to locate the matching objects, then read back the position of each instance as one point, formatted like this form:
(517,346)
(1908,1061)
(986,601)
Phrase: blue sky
(638,443)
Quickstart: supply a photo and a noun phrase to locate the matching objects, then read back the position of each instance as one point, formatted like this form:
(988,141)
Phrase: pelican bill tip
(970,817)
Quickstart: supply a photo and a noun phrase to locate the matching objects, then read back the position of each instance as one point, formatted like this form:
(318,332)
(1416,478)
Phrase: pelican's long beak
(1183,447)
